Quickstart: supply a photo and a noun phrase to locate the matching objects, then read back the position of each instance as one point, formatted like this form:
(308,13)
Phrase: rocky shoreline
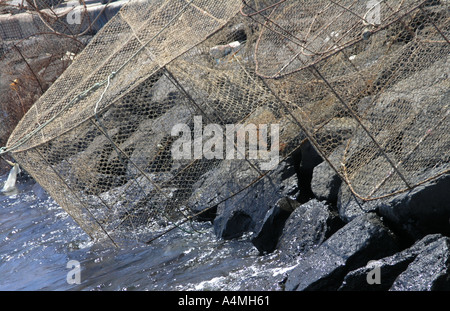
(403,238)
(302,209)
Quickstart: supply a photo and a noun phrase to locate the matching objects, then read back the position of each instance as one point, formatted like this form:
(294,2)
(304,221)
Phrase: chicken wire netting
(38,41)
(366,82)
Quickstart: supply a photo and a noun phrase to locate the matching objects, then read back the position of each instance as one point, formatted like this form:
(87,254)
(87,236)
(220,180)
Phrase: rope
(6,160)
(103,93)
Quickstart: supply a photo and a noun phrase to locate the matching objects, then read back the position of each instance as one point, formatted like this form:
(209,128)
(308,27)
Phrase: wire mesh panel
(38,41)
(144,128)
(103,130)
(361,78)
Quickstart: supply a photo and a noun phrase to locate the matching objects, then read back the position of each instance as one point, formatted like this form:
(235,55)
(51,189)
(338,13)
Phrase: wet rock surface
(339,242)
(428,271)
(246,211)
(422,267)
(350,207)
(424,210)
(307,228)
(267,238)
(325,183)
(389,267)
(352,246)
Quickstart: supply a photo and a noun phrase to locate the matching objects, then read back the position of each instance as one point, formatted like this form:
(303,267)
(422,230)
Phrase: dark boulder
(310,158)
(389,267)
(350,206)
(242,200)
(429,270)
(267,238)
(307,227)
(246,211)
(363,239)
(325,183)
(421,211)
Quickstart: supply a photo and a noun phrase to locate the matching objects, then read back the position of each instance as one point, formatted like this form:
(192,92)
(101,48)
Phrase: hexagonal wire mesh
(38,41)
(366,82)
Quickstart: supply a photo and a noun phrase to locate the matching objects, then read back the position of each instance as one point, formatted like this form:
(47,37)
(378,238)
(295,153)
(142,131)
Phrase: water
(38,238)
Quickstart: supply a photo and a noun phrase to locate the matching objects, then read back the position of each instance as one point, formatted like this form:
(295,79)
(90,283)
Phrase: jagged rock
(389,267)
(307,227)
(310,158)
(416,213)
(363,239)
(244,212)
(325,183)
(267,237)
(350,206)
(421,211)
(429,271)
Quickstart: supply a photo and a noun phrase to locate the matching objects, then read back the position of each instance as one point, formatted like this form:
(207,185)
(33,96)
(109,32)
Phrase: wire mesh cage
(366,82)
(38,41)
